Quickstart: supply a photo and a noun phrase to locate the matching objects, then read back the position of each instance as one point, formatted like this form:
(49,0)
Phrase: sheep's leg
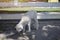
(29,26)
(37,24)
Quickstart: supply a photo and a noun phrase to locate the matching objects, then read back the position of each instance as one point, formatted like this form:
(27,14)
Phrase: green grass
(31,8)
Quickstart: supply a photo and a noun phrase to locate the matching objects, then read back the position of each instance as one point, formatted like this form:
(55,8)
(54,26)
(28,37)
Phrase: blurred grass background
(43,9)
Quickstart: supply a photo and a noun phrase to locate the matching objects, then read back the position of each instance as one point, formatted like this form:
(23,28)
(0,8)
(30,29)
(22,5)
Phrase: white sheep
(27,20)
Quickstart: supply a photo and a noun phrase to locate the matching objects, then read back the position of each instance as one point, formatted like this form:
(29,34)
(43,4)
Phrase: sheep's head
(19,27)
